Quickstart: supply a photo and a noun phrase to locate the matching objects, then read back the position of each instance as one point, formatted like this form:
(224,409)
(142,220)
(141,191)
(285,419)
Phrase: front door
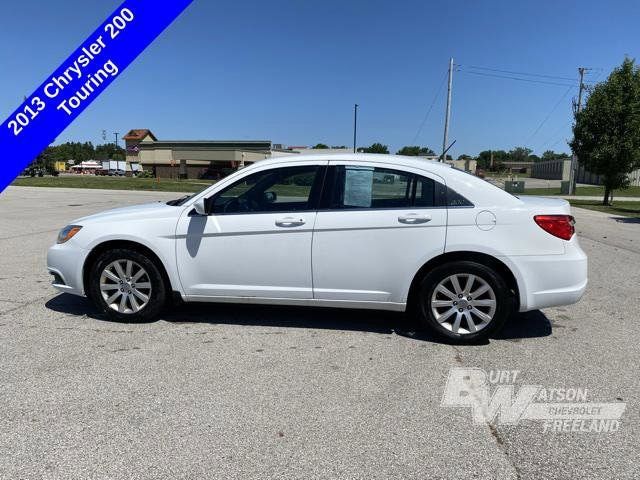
(256,241)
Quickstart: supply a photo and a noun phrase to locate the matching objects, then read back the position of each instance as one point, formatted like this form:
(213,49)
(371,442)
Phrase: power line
(525,74)
(555,134)
(555,143)
(544,82)
(598,73)
(549,114)
(433,102)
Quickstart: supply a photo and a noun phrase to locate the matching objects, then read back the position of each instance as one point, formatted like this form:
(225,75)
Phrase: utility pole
(573,173)
(355,125)
(448,112)
(116,134)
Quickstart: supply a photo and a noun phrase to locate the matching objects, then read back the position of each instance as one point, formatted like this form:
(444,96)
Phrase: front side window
(277,190)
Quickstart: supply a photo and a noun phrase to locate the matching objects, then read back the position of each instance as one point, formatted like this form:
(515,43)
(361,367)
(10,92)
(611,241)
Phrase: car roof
(403,160)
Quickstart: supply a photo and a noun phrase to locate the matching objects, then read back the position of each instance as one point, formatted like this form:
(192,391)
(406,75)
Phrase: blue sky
(290,71)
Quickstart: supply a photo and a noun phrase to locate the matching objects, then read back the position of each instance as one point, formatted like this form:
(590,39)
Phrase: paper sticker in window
(358,182)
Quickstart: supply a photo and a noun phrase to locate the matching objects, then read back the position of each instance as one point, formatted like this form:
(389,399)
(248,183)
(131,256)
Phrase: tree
(464,156)
(415,151)
(484,159)
(520,154)
(320,146)
(375,148)
(499,156)
(109,151)
(551,155)
(607,131)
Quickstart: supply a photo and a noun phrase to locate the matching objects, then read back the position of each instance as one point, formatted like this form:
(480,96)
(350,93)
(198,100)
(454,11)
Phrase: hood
(144,211)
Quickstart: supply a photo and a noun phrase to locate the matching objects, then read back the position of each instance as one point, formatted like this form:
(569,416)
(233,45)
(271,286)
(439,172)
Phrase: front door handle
(289,222)
(414,219)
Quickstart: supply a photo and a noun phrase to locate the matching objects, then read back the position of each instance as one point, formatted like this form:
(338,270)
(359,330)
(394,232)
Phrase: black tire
(504,302)
(157,295)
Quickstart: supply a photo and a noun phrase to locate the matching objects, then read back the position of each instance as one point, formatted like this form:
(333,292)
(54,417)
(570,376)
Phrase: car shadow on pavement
(627,219)
(519,326)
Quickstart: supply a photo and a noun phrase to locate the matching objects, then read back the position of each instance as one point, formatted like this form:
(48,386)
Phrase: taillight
(561,226)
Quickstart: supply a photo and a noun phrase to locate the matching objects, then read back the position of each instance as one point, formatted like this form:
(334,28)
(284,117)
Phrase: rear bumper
(65,263)
(552,280)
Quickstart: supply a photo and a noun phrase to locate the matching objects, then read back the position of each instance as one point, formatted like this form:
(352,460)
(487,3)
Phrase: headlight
(68,232)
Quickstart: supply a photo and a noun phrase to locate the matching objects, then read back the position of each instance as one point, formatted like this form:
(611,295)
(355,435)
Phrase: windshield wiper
(179,201)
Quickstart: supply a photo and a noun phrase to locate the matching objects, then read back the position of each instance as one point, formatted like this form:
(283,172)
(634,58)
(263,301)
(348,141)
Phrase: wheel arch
(131,245)
(483,258)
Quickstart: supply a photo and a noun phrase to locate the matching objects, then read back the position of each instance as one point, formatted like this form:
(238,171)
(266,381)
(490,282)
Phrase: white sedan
(355,231)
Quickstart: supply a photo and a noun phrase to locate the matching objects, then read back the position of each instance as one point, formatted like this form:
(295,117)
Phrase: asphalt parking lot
(226,391)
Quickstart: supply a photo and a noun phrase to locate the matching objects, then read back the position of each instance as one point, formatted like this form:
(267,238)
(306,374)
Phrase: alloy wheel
(463,303)
(125,286)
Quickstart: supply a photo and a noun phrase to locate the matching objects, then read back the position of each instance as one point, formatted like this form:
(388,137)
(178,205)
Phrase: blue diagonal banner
(97,62)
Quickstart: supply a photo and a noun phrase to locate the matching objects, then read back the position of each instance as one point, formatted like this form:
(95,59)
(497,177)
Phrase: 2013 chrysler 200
(356,231)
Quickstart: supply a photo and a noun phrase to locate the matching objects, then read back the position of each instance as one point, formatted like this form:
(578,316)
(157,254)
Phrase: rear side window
(354,186)
(368,187)
(426,192)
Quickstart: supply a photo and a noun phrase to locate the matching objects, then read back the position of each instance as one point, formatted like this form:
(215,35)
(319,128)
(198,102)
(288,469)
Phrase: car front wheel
(464,301)
(127,286)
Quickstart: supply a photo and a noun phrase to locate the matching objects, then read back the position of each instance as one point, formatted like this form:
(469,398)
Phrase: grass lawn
(132,183)
(510,176)
(627,209)
(114,183)
(584,191)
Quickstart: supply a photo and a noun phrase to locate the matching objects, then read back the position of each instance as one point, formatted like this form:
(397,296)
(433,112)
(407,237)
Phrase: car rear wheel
(127,286)
(464,301)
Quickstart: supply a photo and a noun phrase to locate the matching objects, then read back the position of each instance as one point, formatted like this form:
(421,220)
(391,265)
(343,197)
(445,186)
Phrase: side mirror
(200,208)
(270,197)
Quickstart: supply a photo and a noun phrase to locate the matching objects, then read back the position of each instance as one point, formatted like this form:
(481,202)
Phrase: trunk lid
(545,205)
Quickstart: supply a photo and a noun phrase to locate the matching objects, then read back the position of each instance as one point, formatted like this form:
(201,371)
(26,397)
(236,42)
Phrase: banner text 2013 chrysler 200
(356,231)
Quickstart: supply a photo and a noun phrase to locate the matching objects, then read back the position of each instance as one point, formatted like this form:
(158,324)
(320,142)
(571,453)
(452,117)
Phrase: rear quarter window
(454,199)
(447,197)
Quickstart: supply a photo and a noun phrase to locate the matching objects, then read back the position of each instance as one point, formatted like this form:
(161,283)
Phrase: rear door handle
(414,219)
(289,222)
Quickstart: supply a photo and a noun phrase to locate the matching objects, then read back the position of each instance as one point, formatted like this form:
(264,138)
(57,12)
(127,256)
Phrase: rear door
(376,226)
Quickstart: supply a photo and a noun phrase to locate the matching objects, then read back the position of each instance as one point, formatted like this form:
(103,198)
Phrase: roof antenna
(444,153)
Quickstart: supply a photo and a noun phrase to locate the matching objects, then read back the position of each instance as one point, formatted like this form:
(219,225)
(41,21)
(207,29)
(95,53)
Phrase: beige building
(192,158)
(468,165)
(132,141)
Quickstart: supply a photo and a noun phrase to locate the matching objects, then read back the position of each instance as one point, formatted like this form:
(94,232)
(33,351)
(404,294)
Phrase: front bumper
(65,262)
(552,280)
